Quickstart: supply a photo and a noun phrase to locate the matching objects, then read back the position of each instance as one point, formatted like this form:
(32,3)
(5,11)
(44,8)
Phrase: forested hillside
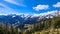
(48,26)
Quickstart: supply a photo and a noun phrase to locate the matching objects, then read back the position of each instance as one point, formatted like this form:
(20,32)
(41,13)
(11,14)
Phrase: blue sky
(28,6)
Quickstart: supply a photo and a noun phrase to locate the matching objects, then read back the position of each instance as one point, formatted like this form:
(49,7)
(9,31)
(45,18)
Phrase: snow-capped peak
(13,16)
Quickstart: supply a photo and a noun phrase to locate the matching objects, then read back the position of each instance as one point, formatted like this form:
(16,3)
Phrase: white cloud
(7,10)
(15,2)
(57,4)
(41,7)
(49,12)
(46,13)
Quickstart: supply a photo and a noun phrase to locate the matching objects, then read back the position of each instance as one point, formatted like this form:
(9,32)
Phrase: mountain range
(24,19)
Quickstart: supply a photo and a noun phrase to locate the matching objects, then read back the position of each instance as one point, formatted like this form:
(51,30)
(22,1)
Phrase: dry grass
(51,31)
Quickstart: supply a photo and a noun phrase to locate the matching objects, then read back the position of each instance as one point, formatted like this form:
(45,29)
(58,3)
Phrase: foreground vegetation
(48,26)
